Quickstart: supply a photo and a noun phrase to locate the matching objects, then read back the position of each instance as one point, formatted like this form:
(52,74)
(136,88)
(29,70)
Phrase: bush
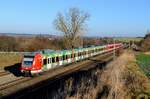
(145,43)
(8,43)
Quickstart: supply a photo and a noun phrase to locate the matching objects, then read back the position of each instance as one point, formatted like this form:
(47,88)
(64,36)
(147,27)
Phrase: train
(44,60)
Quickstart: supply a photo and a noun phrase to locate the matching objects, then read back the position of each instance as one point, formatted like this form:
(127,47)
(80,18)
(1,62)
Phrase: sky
(129,18)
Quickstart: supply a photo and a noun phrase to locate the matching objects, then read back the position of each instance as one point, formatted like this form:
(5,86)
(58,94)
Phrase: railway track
(13,82)
(49,76)
(3,73)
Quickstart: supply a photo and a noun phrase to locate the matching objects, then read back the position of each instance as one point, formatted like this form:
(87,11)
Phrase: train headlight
(33,62)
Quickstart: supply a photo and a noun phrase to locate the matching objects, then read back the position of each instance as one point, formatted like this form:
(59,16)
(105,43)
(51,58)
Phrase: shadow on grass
(14,69)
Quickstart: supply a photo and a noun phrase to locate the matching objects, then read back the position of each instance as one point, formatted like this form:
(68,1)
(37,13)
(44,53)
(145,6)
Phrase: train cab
(31,63)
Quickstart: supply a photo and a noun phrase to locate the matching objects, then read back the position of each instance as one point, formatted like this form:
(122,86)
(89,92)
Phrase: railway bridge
(21,86)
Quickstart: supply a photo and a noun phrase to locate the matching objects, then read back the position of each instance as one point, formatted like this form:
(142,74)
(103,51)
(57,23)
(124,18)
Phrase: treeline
(9,43)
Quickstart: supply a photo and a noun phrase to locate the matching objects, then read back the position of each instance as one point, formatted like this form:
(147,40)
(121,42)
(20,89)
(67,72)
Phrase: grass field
(144,62)
(8,59)
(128,39)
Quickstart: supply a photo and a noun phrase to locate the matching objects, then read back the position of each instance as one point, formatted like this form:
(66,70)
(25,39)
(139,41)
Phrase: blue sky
(108,17)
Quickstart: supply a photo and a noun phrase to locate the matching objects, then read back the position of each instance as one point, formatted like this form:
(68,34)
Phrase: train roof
(51,53)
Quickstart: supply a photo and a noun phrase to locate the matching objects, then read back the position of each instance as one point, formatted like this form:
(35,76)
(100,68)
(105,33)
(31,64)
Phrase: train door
(69,58)
(79,55)
(82,55)
(86,55)
(49,63)
(57,60)
(54,62)
(64,59)
(76,56)
(44,67)
(92,52)
(60,60)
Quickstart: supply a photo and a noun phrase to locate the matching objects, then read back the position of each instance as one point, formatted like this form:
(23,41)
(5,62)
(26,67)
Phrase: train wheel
(27,74)
(36,74)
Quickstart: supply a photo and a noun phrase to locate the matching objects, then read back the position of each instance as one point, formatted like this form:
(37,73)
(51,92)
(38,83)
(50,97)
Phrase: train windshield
(27,61)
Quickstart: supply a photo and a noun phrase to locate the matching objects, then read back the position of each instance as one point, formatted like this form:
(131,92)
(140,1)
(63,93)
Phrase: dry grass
(8,59)
(86,89)
(126,79)
(148,53)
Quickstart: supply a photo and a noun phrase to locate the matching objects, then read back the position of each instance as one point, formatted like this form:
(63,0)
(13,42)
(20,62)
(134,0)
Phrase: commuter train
(40,61)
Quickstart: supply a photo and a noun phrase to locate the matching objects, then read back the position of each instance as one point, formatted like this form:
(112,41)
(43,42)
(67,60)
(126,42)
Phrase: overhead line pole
(114,55)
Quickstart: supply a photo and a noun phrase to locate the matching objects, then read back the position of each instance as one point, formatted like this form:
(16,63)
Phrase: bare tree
(72,25)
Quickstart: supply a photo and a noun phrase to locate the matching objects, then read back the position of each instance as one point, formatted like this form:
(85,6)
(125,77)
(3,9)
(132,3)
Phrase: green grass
(144,62)
(128,39)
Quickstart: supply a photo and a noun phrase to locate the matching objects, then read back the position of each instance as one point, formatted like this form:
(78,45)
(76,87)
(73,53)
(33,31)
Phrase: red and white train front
(31,63)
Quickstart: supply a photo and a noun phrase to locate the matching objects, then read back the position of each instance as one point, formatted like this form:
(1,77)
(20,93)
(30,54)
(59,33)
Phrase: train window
(44,61)
(50,60)
(53,59)
(64,57)
(71,56)
(57,59)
